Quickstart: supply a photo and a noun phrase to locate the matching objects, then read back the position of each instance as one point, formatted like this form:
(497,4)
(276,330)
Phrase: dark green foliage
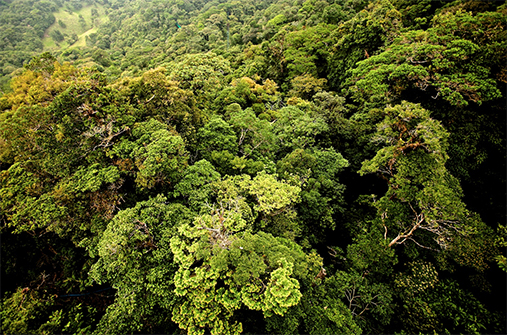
(135,258)
(361,37)
(259,167)
(57,36)
(22,26)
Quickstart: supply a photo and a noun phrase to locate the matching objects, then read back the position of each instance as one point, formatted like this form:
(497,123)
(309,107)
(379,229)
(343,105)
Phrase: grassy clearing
(81,42)
(74,29)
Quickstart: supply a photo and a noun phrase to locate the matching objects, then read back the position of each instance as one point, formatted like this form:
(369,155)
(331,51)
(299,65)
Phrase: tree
(223,267)
(196,184)
(203,74)
(248,93)
(153,95)
(297,129)
(306,86)
(436,60)
(361,37)
(57,36)
(255,135)
(134,256)
(158,154)
(422,194)
(433,68)
(434,304)
(46,139)
(321,193)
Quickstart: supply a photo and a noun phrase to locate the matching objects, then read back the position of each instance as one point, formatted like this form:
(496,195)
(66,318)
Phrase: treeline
(316,167)
(22,26)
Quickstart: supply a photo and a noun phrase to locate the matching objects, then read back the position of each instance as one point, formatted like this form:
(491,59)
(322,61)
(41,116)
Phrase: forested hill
(256,167)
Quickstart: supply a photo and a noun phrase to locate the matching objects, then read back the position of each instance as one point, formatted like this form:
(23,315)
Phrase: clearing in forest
(71,27)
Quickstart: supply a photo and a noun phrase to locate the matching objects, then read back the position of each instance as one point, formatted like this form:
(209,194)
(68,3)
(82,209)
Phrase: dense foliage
(226,167)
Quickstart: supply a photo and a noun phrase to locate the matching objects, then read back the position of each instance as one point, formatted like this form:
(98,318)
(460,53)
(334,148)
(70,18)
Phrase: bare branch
(405,236)
(417,61)
(258,144)
(242,137)
(153,96)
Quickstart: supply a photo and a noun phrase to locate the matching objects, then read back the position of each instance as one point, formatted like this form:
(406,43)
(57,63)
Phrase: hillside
(257,167)
(74,27)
